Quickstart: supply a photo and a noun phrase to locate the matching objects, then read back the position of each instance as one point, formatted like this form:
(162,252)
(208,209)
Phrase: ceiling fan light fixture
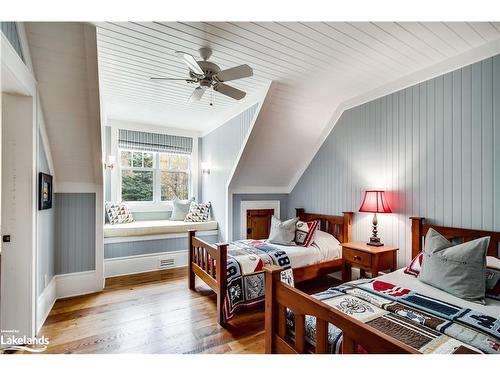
(208,75)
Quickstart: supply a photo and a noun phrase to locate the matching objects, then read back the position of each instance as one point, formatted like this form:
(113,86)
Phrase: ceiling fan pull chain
(211,96)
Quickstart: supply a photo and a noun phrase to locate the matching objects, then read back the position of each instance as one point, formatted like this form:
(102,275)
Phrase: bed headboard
(338,226)
(419,229)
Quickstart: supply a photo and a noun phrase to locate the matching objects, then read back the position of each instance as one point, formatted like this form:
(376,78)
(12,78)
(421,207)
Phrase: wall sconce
(205,168)
(110,164)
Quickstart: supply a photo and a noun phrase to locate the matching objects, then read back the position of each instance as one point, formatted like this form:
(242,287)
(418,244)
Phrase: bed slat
(321,336)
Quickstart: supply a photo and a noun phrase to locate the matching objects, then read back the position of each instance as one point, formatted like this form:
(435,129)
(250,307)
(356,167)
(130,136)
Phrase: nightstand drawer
(357,257)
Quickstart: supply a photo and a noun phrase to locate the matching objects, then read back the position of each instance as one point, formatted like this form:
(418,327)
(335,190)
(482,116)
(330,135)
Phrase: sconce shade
(375,201)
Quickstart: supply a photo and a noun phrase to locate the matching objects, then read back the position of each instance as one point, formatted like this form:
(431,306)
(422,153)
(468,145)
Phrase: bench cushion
(150,227)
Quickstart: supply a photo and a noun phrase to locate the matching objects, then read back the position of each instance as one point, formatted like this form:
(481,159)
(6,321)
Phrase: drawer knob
(357,257)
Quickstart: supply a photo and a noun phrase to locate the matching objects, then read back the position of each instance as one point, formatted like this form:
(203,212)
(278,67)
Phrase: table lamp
(375,201)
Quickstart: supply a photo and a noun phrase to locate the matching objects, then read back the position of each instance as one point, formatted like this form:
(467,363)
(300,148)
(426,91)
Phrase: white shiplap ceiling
(313,67)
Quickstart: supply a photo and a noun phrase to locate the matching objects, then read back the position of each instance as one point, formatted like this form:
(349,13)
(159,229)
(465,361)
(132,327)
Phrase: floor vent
(165,263)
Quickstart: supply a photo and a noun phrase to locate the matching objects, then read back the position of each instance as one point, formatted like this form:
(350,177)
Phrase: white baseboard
(45,303)
(78,283)
(143,263)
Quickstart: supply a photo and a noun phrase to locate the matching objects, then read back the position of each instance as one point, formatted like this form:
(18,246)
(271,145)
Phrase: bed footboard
(209,263)
(280,296)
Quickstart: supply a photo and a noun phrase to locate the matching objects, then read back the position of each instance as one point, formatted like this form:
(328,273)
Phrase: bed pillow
(459,270)
(433,240)
(304,232)
(198,212)
(415,265)
(282,233)
(180,208)
(493,283)
(118,213)
(327,244)
(493,278)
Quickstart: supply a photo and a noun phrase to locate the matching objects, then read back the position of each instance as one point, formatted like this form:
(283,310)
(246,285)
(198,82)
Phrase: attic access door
(259,223)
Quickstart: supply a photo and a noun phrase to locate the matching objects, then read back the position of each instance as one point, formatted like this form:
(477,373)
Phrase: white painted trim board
(143,263)
(45,303)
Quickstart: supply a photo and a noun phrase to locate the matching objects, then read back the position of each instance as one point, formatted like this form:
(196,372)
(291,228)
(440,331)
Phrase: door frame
(256,205)
(18,80)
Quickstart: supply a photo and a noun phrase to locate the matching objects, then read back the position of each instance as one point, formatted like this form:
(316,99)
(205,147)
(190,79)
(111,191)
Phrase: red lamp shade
(375,201)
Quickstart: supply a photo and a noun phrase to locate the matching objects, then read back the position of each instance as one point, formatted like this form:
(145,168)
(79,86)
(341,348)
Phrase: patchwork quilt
(427,324)
(245,275)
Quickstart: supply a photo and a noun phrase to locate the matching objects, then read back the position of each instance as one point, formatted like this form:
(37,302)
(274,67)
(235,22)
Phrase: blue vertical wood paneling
(221,148)
(46,221)
(9,29)
(432,146)
(496,142)
(487,144)
(134,248)
(75,232)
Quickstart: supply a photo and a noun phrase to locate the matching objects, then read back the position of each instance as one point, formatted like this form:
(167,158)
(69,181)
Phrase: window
(153,176)
(174,176)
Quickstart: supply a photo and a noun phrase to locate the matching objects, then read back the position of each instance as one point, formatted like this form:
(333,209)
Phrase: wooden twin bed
(280,297)
(209,262)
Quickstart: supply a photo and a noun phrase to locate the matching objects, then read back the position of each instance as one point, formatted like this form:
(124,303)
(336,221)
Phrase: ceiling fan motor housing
(209,70)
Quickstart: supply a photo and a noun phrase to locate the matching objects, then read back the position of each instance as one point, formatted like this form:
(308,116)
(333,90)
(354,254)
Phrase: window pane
(137,159)
(174,184)
(164,162)
(176,162)
(179,162)
(148,160)
(126,157)
(137,186)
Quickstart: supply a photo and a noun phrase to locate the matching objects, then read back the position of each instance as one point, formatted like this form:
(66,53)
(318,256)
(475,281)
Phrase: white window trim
(115,172)
(156,204)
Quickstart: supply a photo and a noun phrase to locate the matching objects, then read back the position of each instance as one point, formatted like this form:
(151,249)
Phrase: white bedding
(492,307)
(301,256)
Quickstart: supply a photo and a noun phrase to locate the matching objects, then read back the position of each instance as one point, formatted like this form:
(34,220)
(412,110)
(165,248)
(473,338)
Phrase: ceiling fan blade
(197,94)
(191,62)
(171,79)
(237,72)
(230,91)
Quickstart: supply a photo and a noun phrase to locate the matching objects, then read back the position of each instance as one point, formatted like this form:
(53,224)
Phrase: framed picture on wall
(44,191)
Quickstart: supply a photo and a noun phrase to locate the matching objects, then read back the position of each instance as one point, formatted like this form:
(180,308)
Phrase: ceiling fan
(208,75)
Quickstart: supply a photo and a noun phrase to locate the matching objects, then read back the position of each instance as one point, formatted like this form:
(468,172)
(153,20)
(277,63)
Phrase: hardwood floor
(154,312)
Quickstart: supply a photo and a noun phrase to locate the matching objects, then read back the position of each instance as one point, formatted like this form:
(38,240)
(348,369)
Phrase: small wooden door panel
(259,223)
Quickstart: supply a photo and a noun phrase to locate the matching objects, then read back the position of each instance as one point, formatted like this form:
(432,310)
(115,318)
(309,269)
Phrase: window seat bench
(155,227)
(150,245)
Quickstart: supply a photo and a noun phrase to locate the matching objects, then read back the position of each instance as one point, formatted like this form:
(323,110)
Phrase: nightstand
(367,258)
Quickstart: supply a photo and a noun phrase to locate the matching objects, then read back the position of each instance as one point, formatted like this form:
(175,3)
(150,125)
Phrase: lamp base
(375,241)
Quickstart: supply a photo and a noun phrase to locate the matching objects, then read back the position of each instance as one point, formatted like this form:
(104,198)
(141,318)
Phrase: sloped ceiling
(313,66)
(64,58)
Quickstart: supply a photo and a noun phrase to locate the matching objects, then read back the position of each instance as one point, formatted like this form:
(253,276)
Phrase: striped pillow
(415,265)
(304,232)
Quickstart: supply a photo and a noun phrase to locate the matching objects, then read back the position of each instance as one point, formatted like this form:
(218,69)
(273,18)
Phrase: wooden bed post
(221,276)
(299,212)
(191,275)
(416,235)
(271,325)
(347,226)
